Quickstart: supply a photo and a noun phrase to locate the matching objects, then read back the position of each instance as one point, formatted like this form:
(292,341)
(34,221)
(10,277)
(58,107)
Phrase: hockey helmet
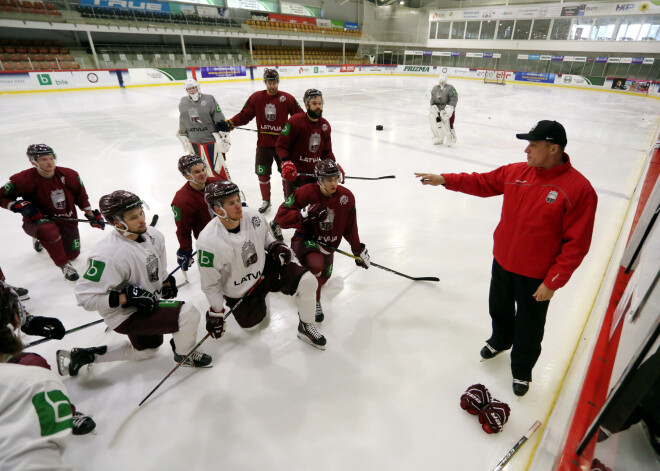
(10,306)
(187,162)
(311,93)
(216,192)
(35,150)
(114,205)
(190,84)
(326,168)
(442,78)
(271,74)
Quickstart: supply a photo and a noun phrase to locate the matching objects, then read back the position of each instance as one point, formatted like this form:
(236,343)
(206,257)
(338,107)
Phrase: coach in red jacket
(544,233)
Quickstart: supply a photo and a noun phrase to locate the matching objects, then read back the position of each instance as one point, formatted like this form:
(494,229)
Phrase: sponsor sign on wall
(347,68)
(291,19)
(224,71)
(301,10)
(323,23)
(146,76)
(534,77)
(128,5)
(11,82)
(337,24)
(257,5)
(348,25)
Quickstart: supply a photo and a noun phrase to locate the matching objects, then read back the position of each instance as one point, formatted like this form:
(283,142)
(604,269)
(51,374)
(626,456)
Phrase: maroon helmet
(271,74)
(187,162)
(311,93)
(114,205)
(327,168)
(217,192)
(35,150)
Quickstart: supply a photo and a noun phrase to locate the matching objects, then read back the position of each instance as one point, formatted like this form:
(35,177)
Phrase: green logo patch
(54,411)
(44,79)
(261,170)
(217,108)
(177,213)
(289,201)
(205,259)
(75,245)
(9,188)
(95,270)
(311,244)
(285,129)
(168,303)
(328,271)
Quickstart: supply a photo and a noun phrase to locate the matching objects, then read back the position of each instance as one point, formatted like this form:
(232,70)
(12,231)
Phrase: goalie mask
(35,150)
(114,205)
(193,89)
(442,79)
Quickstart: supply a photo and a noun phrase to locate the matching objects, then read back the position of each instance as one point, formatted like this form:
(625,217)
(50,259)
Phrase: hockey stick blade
(371,178)
(154,220)
(517,446)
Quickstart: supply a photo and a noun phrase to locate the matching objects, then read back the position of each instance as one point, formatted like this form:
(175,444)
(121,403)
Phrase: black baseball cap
(545,130)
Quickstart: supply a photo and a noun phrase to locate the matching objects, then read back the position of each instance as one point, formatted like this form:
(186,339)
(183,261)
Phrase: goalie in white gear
(444,98)
(127,283)
(239,260)
(203,129)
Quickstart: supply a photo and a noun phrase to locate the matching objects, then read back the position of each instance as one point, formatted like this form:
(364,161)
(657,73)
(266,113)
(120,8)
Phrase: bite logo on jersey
(285,130)
(9,188)
(177,213)
(256,221)
(289,201)
(54,411)
(328,271)
(327,224)
(94,270)
(75,245)
(58,198)
(169,303)
(270,112)
(152,267)
(343,200)
(261,170)
(249,254)
(205,259)
(314,142)
(552,197)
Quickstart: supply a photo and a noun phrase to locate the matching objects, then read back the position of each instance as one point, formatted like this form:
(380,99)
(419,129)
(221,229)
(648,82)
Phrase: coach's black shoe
(489,352)
(520,387)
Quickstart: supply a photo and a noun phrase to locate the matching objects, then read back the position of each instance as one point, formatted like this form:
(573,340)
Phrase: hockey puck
(379,127)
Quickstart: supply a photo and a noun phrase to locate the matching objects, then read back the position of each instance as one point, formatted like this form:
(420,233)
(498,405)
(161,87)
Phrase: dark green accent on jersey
(54,411)
(177,213)
(205,259)
(328,271)
(9,188)
(285,129)
(94,270)
(289,201)
(311,244)
(75,245)
(169,303)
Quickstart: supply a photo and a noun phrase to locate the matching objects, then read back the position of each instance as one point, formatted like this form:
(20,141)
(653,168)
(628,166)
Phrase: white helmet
(442,78)
(192,83)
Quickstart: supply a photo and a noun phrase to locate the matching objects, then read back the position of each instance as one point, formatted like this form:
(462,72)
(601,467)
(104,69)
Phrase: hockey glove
(96,220)
(475,399)
(48,327)
(169,289)
(184,258)
(449,110)
(222,141)
(289,171)
(27,210)
(493,417)
(229,124)
(343,174)
(143,300)
(215,323)
(222,126)
(280,253)
(313,211)
(363,253)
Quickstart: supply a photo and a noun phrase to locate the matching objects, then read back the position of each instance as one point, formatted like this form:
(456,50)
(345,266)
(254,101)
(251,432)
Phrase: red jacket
(191,213)
(547,217)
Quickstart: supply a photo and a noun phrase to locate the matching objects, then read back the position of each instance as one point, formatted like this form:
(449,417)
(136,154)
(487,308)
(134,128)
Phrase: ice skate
(308,333)
(265,206)
(70,362)
(195,359)
(69,272)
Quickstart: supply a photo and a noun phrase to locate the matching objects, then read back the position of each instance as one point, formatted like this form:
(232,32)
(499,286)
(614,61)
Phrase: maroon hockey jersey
(341,220)
(271,111)
(305,142)
(191,213)
(57,196)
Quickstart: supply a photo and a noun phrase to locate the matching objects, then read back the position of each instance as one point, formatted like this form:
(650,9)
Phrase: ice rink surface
(385,394)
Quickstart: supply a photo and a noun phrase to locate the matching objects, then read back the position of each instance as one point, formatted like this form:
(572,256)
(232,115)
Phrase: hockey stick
(153,222)
(354,178)
(202,341)
(355,257)
(185,282)
(75,329)
(256,130)
(517,446)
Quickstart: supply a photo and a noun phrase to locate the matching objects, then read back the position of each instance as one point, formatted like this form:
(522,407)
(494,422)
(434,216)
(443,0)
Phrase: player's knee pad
(48,232)
(189,318)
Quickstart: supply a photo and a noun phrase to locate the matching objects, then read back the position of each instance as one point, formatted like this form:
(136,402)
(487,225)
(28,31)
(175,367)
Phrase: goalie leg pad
(439,132)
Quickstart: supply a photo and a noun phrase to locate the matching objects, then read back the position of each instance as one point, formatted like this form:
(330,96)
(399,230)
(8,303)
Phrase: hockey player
(191,213)
(444,98)
(272,108)
(236,252)
(125,281)
(22,293)
(203,130)
(322,213)
(46,196)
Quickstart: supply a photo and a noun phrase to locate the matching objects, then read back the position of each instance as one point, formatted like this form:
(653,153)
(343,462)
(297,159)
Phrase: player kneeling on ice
(236,251)
(125,280)
(444,98)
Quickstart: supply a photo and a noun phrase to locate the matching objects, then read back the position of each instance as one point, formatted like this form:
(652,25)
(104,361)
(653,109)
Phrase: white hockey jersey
(116,262)
(36,419)
(229,264)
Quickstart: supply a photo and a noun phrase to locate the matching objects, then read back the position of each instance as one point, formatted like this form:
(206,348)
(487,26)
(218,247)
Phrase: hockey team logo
(152,267)
(256,221)
(324,127)
(282,99)
(552,197)
(94,270)
(314,142)
(327,224)
(271,112)
(194,115)
(58,198)
(343,200)
(249,254)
